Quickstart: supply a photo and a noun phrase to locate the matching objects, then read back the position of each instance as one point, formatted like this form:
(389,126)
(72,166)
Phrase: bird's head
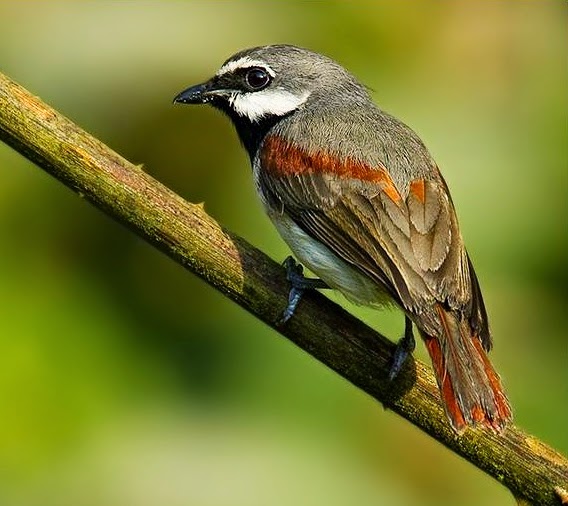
(269,82)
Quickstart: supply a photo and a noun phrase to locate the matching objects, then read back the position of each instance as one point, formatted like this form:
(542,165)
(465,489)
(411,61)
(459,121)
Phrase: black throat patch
(251,133)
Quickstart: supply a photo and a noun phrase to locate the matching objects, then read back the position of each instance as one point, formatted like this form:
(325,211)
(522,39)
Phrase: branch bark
(532,471)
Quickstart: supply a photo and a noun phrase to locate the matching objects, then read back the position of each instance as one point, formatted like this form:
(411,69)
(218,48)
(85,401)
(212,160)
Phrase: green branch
(533,472)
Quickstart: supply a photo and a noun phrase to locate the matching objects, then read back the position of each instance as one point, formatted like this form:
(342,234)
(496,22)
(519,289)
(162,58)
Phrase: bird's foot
(403,349)
(299,284)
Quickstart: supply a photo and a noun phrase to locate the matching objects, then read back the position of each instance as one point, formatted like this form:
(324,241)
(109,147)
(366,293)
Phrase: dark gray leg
(403,348)
(299,283)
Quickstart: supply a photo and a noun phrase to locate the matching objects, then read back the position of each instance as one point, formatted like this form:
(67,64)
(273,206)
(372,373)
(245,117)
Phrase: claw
(299,284)
(403,349)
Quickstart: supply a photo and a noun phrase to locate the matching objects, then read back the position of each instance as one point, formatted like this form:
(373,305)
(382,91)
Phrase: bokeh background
(126,380)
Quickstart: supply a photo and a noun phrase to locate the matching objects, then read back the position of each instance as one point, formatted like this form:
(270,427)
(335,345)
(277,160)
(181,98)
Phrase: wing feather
(406,239)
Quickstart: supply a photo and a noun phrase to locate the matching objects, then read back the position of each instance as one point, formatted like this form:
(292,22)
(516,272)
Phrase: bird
(361,203)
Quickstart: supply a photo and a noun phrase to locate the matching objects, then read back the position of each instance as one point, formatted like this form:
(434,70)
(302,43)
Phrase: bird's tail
(470,388)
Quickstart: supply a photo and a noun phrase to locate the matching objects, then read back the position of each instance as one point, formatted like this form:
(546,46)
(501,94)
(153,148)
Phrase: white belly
(327,266)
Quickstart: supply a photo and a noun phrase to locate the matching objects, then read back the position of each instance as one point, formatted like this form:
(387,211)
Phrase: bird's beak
(194,95)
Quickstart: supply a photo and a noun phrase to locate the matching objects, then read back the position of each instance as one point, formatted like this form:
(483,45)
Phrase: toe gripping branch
(403,349)
(299,284)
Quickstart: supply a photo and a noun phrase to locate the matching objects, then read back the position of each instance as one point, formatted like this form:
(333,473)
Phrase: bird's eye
(257,78)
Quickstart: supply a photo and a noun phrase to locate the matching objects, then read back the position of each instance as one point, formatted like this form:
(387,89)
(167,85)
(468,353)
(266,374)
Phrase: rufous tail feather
(470,388)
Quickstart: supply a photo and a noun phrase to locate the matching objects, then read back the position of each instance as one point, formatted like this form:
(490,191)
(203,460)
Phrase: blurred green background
(126,380)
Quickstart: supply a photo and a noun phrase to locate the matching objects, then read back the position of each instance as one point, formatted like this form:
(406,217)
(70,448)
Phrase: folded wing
(407,239)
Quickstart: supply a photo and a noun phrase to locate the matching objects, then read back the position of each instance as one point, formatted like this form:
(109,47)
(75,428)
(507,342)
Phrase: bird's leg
(299,284)
(403,348)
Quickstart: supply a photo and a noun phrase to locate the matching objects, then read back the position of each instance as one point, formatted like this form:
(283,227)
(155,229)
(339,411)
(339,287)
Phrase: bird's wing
(409,242)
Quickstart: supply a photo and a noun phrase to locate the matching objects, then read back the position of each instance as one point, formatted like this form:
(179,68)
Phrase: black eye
(257,78)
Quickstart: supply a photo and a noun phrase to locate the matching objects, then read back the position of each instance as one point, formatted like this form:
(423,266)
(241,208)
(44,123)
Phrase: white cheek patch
(244,62)
(256,105)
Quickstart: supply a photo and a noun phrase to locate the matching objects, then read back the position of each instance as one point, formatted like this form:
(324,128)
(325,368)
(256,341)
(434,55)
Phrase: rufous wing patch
(280,158)
(417,189)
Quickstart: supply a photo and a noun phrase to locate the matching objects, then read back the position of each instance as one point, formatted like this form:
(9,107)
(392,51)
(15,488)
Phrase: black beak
(195,95)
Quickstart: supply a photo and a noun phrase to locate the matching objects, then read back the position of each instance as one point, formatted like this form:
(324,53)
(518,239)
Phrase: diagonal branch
(534,472)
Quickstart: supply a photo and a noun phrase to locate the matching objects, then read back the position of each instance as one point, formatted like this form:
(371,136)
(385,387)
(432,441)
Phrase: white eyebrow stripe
(244,62)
